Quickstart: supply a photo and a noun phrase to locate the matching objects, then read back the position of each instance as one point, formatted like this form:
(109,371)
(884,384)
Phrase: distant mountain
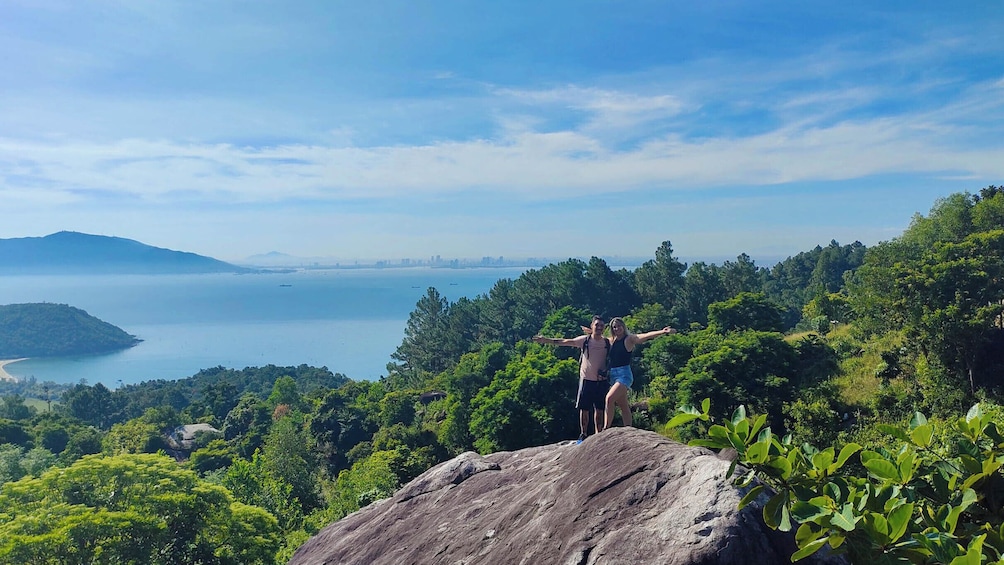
(275,259)
(68,252)
(51,330)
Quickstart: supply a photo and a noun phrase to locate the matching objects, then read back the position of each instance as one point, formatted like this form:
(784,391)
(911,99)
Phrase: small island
(56,330)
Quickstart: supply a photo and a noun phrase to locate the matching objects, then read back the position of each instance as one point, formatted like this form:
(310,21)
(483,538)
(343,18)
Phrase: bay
(348,320)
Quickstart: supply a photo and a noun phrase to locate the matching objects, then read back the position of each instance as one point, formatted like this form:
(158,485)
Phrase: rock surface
(623,496)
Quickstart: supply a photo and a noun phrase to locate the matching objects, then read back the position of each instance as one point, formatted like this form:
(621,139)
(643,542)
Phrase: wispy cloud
(166,109)
(534,164)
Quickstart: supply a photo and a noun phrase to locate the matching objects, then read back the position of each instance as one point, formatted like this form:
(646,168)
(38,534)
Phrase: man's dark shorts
(592,394)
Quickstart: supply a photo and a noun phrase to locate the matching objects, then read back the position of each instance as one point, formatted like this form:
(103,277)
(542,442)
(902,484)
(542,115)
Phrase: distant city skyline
(392,129)
(276,259)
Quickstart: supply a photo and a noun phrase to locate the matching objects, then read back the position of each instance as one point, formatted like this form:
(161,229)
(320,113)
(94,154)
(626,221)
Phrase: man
(593,383)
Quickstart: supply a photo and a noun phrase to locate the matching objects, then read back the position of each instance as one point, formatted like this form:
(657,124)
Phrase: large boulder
(623,496)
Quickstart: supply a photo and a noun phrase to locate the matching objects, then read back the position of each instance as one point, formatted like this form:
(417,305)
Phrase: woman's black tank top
(619,355)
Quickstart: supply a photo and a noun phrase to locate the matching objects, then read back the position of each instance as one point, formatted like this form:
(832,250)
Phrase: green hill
(52,330)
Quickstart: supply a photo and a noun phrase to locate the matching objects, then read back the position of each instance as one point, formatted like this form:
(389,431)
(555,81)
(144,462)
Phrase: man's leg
(583,423)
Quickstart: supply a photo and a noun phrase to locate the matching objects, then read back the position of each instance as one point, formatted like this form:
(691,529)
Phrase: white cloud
(527,163)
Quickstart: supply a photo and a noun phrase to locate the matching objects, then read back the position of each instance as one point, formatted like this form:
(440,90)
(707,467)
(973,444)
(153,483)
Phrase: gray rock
(625,496)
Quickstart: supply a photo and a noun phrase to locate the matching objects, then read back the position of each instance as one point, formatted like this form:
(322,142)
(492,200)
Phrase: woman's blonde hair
(610,325)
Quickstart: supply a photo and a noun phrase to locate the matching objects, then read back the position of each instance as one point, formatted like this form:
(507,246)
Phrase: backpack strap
(585,345)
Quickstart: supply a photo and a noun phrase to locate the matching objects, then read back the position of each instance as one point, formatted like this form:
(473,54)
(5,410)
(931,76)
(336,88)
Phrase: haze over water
(349,321)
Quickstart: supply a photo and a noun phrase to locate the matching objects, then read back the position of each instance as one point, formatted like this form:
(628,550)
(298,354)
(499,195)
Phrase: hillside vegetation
(51,330)
(835,350)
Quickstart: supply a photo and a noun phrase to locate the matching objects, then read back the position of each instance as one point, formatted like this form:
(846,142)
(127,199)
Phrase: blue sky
(393,129)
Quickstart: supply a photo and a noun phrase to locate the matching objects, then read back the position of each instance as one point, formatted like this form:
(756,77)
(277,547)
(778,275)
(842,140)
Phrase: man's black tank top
(619,355)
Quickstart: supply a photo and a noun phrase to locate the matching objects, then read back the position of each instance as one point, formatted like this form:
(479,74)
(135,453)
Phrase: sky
(407,129)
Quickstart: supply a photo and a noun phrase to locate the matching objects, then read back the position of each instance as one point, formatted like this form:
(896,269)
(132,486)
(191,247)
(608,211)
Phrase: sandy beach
(4,375)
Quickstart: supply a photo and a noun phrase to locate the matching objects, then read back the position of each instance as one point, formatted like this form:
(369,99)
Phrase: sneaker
(581,437)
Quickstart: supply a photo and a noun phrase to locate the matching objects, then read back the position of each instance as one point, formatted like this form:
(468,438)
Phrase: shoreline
(4,375)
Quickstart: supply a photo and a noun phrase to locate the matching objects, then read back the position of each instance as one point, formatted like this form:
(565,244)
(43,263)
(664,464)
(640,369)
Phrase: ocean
(348,320)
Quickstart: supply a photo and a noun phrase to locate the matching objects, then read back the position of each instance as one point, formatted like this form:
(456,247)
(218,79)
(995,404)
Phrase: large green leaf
(682,418)
(921,435)
(898,520)
(751,496)
(882,469)
(803,511)
(894,431)
(809,549)
(739,415)
(844,520)
(974,413)
(781,466)
(775,512)
(845,454)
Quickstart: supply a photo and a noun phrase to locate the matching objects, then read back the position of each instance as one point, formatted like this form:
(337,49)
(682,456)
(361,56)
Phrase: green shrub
(933,499)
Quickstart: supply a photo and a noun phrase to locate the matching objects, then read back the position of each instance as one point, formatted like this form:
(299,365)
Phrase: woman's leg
(625,407)
(618,396)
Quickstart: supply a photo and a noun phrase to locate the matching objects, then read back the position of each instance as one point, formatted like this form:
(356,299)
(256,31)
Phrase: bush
(932,499)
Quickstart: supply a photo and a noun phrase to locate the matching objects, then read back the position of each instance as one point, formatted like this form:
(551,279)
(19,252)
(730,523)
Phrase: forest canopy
(833,347)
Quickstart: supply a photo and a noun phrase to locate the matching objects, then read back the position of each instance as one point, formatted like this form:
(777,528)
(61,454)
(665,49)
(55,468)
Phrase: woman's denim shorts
(621,375)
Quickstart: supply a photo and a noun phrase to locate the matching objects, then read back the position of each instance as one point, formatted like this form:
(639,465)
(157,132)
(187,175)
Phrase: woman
(621,347)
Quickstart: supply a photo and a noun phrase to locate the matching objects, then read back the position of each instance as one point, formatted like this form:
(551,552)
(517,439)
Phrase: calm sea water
(349,321)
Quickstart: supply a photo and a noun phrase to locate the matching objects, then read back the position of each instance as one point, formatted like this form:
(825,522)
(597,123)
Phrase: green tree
(649,317)
(530,402)
(14,432)
(397,407)
(472,373)
(346,417)
(284,391)
(246,424)
(287,456)
(566,322)
(742,275)
(218,454)
(12,407)
(659,280)
(702,286)
(95,405)
(420,350)
(134,436)
(130,509)
(951,300)
(609,293)
(83,441)
(752,367)
(10,462)
(367,481)
(747,311)
(252,483)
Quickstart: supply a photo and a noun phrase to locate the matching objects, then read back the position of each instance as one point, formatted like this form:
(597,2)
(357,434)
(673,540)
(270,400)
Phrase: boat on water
(285,285)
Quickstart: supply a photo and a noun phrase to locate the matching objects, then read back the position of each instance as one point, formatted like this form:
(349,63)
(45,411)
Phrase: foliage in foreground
(936,498)
(130,509)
